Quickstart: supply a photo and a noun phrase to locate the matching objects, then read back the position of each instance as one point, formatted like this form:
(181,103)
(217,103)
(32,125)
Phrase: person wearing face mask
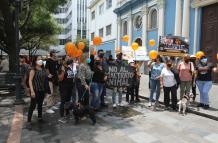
(156,68)
(97,85)
(169,84)
(204,81)
(185,70)
(37,86)
(84,76)
(103,63)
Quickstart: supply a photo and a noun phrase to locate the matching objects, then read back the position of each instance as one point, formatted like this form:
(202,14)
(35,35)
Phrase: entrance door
(209,35)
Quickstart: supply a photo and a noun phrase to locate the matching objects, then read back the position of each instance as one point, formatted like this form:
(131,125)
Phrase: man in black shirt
(52,70)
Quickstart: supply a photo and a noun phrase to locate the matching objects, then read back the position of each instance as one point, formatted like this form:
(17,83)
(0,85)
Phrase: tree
(36,25)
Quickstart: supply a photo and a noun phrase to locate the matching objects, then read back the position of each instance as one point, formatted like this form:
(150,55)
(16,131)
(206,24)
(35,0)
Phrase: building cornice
(93,3)
(202,3)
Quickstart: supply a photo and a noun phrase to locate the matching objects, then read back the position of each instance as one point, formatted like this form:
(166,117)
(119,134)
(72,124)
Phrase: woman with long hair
(37,84)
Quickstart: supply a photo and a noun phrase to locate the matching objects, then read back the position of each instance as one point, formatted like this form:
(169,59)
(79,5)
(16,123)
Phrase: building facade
(103,23)
(73,19)
(195,20)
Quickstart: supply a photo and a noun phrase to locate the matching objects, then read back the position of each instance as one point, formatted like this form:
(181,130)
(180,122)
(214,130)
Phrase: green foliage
(40,27)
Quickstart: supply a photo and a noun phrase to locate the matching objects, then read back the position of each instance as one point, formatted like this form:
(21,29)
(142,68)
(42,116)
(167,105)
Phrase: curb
(190,111)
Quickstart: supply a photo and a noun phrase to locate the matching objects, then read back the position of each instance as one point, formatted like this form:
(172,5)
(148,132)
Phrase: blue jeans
(155,86)
(204,88)
(114,95)
(96,90)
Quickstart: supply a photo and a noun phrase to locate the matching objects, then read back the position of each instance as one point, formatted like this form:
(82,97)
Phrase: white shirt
(168,78)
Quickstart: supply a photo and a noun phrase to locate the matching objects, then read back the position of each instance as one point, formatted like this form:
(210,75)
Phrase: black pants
(103,95)
(173,91)
(130,91)
(39,98)
(66,93)
(194,89)
(136,87)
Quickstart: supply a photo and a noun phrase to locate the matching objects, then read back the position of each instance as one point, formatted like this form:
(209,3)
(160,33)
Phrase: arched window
(153,19)
(139,41)
(138,22)
(125,27)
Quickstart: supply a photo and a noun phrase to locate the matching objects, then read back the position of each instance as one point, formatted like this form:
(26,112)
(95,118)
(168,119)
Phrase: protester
(204,81)
(85,77)
(37,86)
(52,69)
(24,71)
(103,63)
(97,84)
(194,62)
(118,90)
(156,68)
(66,84)
(130,89)
(4,66)
(185,70)
(137,81)
(169,84)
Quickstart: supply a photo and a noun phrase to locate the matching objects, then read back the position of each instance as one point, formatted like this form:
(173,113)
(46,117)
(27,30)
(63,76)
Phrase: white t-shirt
(168,78)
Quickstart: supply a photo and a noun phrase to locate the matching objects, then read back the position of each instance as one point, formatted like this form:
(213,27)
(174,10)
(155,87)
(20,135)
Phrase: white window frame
(110,30)
(101,11)
(149,18)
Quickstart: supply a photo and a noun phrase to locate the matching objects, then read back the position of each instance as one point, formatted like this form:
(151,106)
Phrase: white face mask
(39,62)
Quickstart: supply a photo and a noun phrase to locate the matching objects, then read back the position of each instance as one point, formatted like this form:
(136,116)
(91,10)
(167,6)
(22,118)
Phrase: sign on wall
(119,75)
(172,46)
(139,55)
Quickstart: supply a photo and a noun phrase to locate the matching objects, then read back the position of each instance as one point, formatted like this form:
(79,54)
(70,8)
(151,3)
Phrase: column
(118,31)
(195,31)
(178,18)
(130,26)
(161,4)
(144,25)
(186,18)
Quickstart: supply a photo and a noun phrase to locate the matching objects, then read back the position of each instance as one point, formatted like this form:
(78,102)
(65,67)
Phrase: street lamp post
(18,93)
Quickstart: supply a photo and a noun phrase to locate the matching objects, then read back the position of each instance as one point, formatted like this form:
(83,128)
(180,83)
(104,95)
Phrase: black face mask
(101,55)
(169,65)
(97,63)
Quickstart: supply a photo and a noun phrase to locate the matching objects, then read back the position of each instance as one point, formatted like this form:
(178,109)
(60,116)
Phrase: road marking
(16,127)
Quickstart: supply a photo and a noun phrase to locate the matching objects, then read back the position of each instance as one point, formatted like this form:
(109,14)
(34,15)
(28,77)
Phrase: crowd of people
(82,81)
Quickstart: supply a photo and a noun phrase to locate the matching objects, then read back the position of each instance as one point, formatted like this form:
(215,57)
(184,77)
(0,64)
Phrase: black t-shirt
(98,76)
(205,75)
(68,80)
(52,66)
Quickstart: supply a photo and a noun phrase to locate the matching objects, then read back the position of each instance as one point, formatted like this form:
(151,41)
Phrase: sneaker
(206,107)
(131,102)
(62,120)
(157,104)
(114,105)
(50,111)
(54,108)
(149,104)
(200,105)
(137,100)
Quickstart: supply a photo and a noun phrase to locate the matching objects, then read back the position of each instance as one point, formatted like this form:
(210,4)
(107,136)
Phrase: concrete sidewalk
(213,98)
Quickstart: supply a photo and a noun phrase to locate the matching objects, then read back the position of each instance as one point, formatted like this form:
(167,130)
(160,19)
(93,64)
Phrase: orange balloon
(81,45)
(79,53)
(70,47)
(153,54)
(97,41)
(152,42)
(217,56)
(126,38)
(199,54)
(135,46)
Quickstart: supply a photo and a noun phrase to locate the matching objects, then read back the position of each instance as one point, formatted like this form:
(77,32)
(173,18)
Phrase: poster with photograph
(139,55)
(172,46)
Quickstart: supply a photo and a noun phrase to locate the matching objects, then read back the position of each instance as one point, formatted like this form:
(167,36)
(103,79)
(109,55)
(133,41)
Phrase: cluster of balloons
(73,51)
(97,41)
